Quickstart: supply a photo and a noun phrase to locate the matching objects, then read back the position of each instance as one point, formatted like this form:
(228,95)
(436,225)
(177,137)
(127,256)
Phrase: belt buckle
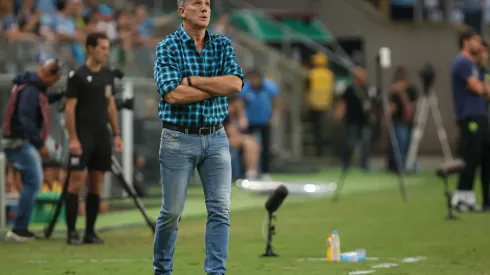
(202,128)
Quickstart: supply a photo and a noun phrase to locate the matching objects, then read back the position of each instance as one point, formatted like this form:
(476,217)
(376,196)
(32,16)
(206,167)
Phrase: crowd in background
(68,22)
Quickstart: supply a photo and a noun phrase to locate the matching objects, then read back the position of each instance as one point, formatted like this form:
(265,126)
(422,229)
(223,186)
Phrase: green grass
(370,215)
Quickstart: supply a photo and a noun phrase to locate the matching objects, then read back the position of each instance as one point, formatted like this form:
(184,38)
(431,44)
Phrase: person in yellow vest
(320,96)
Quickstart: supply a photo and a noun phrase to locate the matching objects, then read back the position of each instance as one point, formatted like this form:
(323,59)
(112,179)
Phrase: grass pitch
(401,237)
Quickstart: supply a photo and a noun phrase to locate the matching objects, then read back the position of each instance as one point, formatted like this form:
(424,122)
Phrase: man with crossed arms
(195,71)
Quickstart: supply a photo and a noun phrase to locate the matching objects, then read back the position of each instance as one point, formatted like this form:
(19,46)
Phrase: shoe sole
(11,236)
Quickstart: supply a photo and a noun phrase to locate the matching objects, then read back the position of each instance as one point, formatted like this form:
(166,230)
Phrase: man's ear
(182,13)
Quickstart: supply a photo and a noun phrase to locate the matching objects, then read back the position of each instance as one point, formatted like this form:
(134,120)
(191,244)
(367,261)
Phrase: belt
(193,129)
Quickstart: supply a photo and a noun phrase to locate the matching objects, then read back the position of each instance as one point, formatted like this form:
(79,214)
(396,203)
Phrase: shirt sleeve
(230,65)
(166,71)
(465,69)
(72,85)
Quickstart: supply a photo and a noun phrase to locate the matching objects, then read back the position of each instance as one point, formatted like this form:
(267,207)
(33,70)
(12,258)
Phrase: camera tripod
(428,103)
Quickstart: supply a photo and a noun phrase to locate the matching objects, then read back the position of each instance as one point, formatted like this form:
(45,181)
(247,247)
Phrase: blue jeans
(27,160)
(179,155)
(403,133)
(356,134)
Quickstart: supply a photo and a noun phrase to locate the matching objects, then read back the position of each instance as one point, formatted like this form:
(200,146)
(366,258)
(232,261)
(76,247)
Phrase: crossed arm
(177,90)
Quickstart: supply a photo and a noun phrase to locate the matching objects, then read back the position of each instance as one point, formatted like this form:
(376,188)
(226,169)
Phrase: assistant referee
(90,105)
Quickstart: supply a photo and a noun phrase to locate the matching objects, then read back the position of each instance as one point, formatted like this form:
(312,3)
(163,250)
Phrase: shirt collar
(186,38)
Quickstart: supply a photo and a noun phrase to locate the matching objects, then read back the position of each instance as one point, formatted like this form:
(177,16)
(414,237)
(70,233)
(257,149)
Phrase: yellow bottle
(329,248)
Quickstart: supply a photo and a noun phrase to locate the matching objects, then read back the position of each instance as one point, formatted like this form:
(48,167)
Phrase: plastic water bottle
(333,247)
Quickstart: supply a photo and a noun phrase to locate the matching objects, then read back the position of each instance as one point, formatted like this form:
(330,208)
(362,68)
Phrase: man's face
(196,12)
(101,51)
(474,44)
(141,12)
(255,81)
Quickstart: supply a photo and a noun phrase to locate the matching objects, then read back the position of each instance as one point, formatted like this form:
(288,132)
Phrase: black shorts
(96,148)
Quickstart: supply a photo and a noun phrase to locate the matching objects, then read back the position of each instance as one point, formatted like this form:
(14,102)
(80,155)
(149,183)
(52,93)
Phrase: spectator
(221,26)
(93,6)
(29,18)
(9,27)
(241,144)
(146,26)
(44,6)
(403,100)
(63,23)
(261,98)
(127,34)
(320,84)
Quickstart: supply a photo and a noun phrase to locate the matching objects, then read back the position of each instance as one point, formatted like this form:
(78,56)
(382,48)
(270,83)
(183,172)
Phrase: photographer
(403,100)
(90,105)
(25,129)
(358,106)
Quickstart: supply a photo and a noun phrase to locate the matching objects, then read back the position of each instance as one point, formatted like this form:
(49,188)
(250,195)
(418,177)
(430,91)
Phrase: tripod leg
(48,231)
(447,194)
(417,133)
(118,172)
(340,184)
(441,131)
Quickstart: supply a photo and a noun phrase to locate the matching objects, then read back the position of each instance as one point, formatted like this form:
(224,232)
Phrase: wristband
(116,134)
(189,81)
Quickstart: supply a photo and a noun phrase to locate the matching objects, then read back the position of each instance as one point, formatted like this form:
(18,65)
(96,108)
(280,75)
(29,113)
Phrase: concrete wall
(412,45)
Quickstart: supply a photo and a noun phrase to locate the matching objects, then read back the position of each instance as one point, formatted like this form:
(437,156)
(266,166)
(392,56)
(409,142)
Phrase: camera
(428,76)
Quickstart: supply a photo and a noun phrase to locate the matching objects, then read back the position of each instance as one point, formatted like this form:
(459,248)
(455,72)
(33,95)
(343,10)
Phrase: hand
(118,144)
(75,147)
(44,153)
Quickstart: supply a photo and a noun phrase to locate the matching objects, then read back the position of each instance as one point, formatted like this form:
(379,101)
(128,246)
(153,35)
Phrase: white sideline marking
(76,261)
(385,265)
(414,260)
(360,272)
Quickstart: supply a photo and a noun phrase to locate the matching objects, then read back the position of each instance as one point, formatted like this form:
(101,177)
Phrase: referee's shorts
(96,144)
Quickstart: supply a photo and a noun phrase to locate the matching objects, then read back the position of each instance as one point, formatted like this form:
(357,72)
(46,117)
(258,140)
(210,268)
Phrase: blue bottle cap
(335,232)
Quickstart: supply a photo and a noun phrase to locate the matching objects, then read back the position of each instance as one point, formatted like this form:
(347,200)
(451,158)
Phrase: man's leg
(471,146)
(27,160)
(316,118)
(77,165)
(251,154)
(215,172)
(100,161)
(266,149)
(367,137)
(352,135)
(92,205)
(178,157)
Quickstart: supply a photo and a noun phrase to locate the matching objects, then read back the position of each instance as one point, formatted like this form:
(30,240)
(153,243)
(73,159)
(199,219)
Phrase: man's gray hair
(181,3)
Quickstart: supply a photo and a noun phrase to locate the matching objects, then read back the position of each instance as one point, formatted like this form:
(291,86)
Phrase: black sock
(91,211)
(71,210)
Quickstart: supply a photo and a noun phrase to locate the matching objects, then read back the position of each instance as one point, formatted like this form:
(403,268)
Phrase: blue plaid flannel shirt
(176,58)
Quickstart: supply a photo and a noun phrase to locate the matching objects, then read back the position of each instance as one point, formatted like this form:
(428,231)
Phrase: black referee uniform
(93,91)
